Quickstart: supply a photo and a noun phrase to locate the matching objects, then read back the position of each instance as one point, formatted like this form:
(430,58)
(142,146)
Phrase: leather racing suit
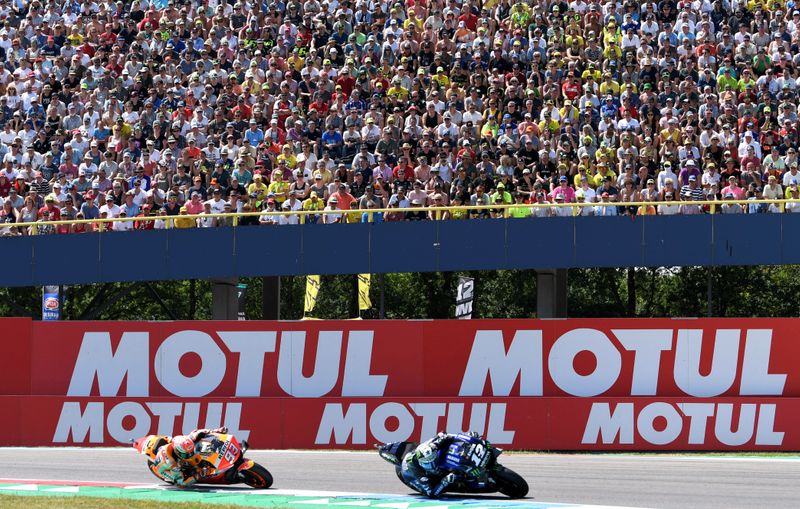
(180,471)
(420,468)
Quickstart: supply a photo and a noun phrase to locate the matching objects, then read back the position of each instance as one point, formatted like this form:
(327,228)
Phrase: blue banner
(51,303)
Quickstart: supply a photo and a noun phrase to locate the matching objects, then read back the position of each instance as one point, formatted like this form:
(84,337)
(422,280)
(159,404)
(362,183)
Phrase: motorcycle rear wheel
(256,477)
(510,483)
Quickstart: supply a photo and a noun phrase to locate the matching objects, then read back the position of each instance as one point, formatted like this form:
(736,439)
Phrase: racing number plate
(479,455)
(228,455)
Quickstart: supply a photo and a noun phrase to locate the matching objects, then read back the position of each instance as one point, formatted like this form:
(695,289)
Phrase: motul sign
(580,384)
(246,350)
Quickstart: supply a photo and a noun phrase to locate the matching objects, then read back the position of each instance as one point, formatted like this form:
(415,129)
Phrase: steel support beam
(271,298)
(224,301)
(551,293)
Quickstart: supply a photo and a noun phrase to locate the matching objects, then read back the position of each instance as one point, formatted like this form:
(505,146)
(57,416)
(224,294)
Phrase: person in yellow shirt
(278,187)
(501,193)
(603,171)
(568,112)
(591,71)
(522,211)
(441,78)
(490,129)
(288,156)
(458,211)
(324,173)
(412,20)
(772,5)
(257,187)
(671,132)
(611,33)
(583,173)
(396,90)
(313,203)
(355,215)
(75,36)
(745,80)
(609,85)
(122,129)
(612,51)
(183,221)
(295,61)
(606,155)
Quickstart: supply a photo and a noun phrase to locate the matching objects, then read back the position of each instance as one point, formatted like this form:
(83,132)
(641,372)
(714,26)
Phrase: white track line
(566,456)
(33,485)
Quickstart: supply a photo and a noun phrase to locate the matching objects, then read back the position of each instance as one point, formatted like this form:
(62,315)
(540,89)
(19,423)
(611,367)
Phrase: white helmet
(426,456)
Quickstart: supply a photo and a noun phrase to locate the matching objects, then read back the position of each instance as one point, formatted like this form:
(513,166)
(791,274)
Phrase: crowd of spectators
(171,108)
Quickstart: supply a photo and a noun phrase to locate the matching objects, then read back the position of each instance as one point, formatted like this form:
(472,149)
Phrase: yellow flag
(363,292)
(312,289)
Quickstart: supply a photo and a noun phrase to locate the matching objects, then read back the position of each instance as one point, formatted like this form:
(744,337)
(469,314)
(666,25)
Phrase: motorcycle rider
(420,468)
(176,462)
(150,447)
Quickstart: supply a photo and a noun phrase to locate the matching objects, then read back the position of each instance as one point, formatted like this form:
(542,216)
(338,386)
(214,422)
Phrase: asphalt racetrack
(663,481)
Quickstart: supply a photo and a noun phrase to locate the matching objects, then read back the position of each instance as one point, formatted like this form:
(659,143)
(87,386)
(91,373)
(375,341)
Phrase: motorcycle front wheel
(510,483)
(256,477)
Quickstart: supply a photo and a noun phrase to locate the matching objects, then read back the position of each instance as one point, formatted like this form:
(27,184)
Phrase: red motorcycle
(219,459)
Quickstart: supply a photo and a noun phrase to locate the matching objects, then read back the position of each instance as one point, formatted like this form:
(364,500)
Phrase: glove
(221,429)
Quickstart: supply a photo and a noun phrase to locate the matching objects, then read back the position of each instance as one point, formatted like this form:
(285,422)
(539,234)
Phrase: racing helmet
(183,447)
(152,443)
(426,456)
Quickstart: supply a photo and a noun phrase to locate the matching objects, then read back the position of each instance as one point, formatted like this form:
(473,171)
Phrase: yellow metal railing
(438,211)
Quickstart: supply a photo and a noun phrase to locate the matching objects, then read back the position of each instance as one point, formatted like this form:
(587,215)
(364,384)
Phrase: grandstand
(461,126)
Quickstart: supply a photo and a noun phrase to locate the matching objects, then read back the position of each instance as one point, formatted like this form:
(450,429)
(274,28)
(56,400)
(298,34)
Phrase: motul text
(600,384)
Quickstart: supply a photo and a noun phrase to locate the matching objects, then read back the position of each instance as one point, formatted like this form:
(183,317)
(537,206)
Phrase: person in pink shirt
(195,205)
(564,190)
(734,188)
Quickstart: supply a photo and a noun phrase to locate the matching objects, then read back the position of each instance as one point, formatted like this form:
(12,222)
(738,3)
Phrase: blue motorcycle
(470,459)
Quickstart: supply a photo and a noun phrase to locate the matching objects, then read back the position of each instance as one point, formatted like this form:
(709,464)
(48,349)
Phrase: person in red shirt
(470,20)
(88,49)
(146,212)
(80,227)
(466,150)
(114,67)
(320,106)
(346,81)
(5,185)
(402,165)
(282,108)
(151,18)
(571,87)
(108,38)
(243,107)
(191,151)
(344,198)
(50,207)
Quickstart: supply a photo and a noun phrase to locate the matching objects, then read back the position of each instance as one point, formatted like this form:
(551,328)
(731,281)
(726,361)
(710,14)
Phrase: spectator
(330,216)
(122,226)
(264,100)
(204,221)
(730,208)
(182,221)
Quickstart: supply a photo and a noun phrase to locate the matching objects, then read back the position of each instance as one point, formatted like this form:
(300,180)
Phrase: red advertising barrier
(544,423)
(563,384)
